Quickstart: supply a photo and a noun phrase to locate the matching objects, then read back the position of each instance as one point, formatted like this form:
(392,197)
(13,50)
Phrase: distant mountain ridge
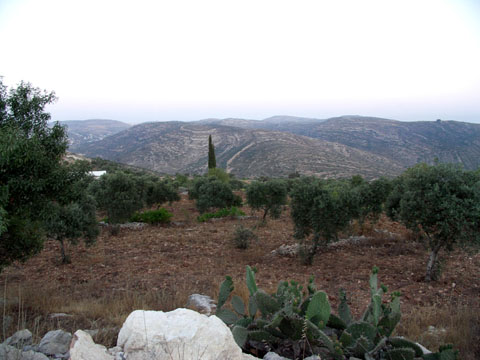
(405,143)
(277,146)
(85,131)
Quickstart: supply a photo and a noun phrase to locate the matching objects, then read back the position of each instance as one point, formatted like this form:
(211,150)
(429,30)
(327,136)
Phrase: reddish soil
(191,257)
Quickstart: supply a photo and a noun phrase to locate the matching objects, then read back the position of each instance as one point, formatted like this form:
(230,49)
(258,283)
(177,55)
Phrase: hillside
(405,143)
(171,147)
(85,131)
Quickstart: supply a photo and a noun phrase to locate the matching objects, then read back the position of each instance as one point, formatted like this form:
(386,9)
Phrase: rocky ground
(157,267)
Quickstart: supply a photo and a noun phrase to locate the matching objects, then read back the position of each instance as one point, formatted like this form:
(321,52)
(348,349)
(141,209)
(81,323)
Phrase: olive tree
(122,193)
(320,209)
(36,186)
(30,161)
(441,203)
(371,197)
(268,196)
(211,193)
(117,194)
(73,215)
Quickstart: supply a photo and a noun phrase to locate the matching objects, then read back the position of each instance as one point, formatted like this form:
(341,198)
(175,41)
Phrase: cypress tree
(212,162)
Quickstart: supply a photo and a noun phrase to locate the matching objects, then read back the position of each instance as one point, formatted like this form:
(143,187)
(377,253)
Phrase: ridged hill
(405,143)
(180,147)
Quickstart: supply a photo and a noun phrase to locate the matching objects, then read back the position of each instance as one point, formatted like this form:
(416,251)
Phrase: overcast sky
(163,60)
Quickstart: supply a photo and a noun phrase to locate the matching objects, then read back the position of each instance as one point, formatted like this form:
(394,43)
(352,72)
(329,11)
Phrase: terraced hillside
(171,147)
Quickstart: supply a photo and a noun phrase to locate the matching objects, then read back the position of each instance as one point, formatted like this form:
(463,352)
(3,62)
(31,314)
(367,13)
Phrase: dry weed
(433,326)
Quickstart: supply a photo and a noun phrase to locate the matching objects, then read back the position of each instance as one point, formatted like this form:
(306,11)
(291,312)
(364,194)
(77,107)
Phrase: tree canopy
(33,177)
(439,202)
(122,193)
(211,193)
(267,195)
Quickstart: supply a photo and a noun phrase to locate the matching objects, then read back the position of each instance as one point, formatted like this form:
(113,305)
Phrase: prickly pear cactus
(293,316)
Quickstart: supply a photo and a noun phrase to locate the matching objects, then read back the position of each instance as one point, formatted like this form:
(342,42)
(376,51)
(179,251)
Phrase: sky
(163,60)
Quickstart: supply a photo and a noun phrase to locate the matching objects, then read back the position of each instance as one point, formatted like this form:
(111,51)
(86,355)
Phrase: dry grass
(433,326)
(32,308)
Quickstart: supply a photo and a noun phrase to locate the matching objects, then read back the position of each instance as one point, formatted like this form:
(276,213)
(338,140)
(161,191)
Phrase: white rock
(202,303)
(83,348)
(177,335)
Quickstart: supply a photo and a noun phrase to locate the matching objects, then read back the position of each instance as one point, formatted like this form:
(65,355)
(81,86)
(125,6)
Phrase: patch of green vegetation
(159,216)
(226,212)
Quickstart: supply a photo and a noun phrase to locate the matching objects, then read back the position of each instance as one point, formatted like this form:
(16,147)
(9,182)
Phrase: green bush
(159,216)
(226,212)
(242,237)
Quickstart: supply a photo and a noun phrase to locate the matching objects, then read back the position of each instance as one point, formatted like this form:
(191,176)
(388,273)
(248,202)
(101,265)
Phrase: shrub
(114,229)
(158,216)
(242,237)
(227,212)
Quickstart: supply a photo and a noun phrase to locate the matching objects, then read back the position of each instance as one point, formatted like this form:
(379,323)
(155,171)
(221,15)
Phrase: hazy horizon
(189,60)
(259,119)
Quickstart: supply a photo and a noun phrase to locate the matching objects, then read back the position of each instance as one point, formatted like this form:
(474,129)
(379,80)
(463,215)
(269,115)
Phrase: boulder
(177,335)
(55,342)
(8,352)
(82,347)
(20,339)
(202,303)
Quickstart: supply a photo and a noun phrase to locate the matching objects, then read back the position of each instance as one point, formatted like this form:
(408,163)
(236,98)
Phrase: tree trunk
(432,262)
(264,215)
(62,250)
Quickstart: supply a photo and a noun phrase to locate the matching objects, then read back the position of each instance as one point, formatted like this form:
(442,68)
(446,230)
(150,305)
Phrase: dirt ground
(190,257)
